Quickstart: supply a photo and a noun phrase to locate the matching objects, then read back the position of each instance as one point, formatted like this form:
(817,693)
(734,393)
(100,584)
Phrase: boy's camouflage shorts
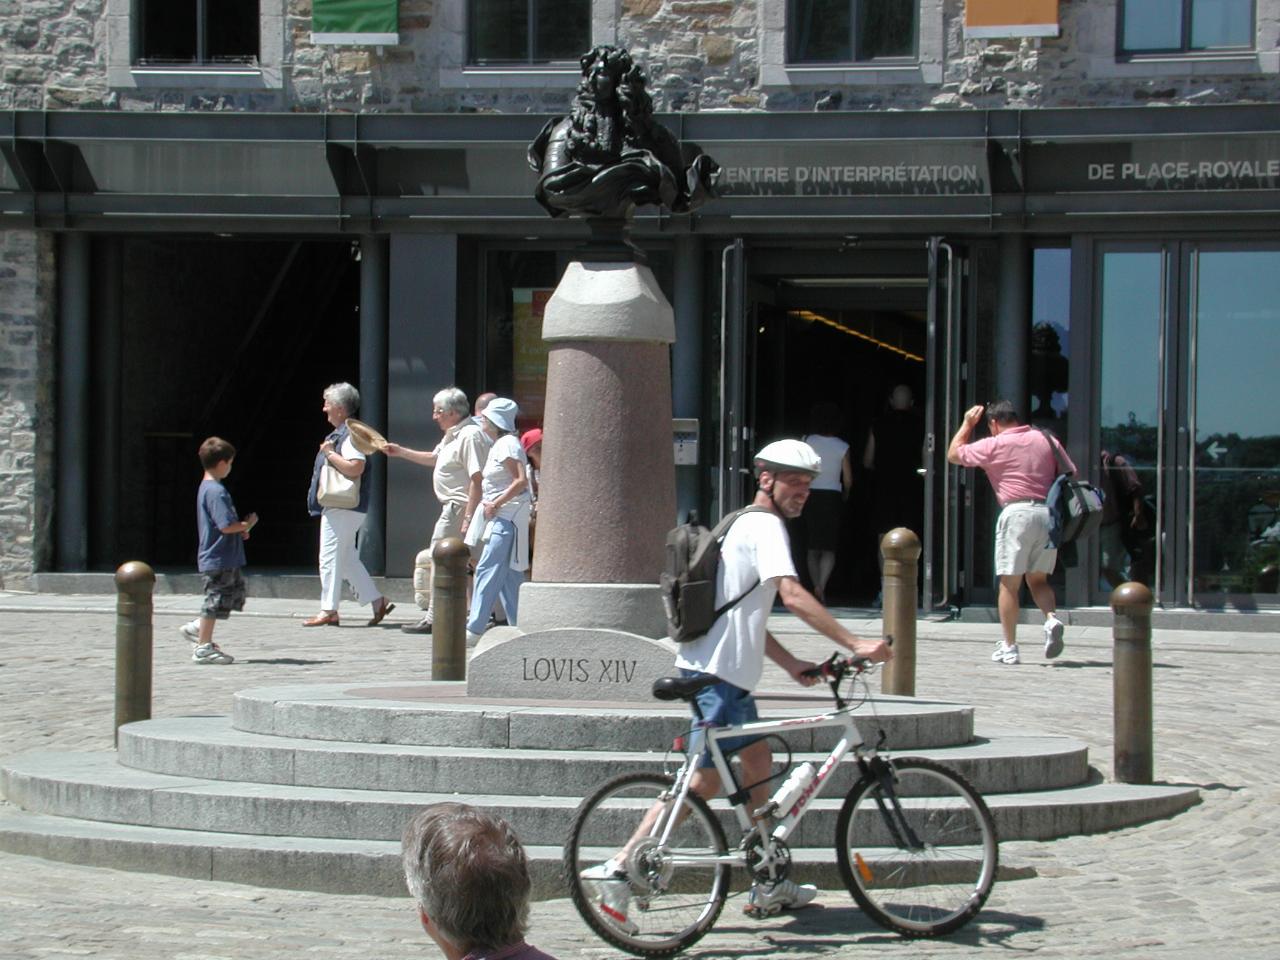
(224,591)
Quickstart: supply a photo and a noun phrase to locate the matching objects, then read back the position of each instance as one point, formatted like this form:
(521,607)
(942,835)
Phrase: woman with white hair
(503,526)
(339,560)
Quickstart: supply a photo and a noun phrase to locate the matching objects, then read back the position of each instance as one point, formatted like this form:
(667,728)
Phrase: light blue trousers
(495,578)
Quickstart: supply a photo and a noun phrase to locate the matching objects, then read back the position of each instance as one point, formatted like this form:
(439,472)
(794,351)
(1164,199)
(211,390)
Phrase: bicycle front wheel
(917,847)
(665,896)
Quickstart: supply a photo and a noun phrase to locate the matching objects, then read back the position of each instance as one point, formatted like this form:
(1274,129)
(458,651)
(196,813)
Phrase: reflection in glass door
(1132,315)
(1235,422)
(1188,398)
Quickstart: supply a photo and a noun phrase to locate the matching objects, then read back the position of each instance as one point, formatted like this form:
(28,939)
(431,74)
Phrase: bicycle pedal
(761,913)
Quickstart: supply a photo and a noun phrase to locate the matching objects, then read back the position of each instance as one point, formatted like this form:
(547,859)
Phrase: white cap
(789,455)
(502,413)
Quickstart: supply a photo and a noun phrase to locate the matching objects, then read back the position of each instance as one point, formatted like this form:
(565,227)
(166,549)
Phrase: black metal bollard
(449,598)
(1131,683)
(135,582)
(900,548)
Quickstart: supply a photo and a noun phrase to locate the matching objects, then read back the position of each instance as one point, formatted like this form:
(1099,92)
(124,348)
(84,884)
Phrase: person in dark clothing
(893,456)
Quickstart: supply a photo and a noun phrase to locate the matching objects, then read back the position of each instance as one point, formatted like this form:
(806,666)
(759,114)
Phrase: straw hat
(364,438)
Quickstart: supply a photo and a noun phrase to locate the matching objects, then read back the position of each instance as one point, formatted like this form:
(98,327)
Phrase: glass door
(1234,423)
(733,459)
(1188,336)
(940,548)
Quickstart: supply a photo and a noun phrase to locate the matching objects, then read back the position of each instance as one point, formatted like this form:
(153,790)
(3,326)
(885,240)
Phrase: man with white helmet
(756,565)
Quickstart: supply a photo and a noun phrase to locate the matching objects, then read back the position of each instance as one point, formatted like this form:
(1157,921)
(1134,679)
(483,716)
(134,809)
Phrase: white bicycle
(915,843)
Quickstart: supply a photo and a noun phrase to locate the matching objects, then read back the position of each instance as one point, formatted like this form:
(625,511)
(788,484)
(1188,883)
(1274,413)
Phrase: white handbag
(336,490)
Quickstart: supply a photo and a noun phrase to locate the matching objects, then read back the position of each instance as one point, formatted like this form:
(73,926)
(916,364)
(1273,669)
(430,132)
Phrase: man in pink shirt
(1019,461)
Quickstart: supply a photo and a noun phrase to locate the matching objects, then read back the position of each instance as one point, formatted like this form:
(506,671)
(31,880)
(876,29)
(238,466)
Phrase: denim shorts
(725,705)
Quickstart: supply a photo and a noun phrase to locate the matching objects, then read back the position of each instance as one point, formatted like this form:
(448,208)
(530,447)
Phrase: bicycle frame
(705,736)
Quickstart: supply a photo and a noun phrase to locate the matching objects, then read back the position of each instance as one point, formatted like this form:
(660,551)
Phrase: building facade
(205,220)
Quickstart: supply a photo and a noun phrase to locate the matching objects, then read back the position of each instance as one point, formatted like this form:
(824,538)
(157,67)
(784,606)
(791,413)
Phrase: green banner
(355,21)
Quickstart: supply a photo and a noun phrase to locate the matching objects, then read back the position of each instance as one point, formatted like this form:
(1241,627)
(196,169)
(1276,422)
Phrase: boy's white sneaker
(191,630)
(1052,637)
(211,653)
(1006,653)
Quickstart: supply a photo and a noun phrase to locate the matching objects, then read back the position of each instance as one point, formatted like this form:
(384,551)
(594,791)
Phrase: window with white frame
(197,32)
(1185,26)
(850,31)
(523,32)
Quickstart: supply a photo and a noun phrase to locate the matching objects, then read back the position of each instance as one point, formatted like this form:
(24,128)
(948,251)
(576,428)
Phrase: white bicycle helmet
(789,455)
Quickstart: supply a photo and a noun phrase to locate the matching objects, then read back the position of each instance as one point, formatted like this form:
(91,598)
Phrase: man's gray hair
(344,395)
(469,874)
(453,400)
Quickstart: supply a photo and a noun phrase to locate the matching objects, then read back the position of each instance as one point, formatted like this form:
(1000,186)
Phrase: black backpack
(688,580)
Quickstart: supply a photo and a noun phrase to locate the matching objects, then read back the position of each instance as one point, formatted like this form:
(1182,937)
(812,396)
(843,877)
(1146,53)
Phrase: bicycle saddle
(682,688)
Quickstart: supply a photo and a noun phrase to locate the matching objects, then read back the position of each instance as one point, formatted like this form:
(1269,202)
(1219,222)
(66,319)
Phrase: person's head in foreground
(469,875)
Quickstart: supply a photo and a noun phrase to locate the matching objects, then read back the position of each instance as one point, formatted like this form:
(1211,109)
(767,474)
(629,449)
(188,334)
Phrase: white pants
(339,560)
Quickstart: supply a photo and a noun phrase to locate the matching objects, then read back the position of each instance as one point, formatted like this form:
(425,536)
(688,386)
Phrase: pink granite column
(608,478)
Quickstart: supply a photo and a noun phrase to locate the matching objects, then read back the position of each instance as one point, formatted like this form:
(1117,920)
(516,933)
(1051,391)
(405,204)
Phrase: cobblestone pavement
(1204,881)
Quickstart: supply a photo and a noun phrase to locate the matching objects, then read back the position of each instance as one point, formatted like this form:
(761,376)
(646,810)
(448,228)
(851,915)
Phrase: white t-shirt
(495,477)
(756,546)
(832,451)
(348,450)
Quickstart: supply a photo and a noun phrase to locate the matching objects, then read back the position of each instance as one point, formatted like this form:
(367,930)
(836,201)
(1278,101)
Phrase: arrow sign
(1215,451)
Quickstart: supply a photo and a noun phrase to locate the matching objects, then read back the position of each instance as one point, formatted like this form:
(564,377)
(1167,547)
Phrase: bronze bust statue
(609,154)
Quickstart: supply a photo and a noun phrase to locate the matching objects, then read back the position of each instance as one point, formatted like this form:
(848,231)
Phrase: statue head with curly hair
(609,155)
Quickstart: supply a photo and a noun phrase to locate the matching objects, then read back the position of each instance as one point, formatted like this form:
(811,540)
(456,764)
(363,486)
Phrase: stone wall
(705,54)
(27,390)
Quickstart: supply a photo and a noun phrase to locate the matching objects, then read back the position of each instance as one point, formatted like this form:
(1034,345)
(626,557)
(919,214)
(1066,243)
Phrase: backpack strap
(720,532)
(1057,454)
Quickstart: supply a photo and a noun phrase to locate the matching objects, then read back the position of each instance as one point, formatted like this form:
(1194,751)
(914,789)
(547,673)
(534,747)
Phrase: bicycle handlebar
(835,667)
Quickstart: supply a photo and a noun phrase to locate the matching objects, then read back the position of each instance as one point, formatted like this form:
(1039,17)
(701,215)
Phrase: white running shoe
(766,899)
(610,891)
(211,653)
(1006,654)
(191,630)
(1052,637)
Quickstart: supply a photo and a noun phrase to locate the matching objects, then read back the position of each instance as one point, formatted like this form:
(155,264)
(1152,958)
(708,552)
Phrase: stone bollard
(901,551)
(135,582)
(449,594)
(1131,683)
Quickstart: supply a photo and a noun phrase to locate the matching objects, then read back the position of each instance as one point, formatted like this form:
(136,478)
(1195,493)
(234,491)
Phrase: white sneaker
(1006,654)
(610,891)
(210,653)
(473,638)
(766,899)
(1052,637)
(191,630)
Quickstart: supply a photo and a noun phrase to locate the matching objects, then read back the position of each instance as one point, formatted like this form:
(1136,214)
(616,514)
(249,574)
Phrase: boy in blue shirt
(221,554)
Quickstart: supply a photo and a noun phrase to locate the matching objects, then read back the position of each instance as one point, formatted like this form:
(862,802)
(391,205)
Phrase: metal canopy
(978,171)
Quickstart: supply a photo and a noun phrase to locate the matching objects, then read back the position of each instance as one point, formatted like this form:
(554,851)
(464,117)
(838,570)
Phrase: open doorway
(838,347)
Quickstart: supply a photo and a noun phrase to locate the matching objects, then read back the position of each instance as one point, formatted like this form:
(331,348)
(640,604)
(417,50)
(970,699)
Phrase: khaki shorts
(449,524)
(1022,540)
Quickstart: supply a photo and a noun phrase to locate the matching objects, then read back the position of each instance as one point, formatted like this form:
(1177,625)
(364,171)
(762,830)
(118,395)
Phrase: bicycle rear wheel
(663,903)
(917,847)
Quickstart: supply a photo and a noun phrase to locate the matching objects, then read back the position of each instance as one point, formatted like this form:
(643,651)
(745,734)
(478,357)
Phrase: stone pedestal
(608,476)
(592,620)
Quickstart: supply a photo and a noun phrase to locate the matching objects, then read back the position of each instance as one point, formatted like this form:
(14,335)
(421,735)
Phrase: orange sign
(1011,18)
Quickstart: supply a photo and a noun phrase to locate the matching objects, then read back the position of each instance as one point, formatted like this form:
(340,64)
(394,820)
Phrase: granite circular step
(210,748)
(441,714)
(94,787)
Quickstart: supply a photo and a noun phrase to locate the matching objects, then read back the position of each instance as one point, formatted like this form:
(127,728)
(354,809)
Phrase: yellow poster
(529,353)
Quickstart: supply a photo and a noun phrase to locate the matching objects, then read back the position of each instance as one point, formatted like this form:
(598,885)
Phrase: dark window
(199,31)
(846,31)
(1183,26)
(527,31)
